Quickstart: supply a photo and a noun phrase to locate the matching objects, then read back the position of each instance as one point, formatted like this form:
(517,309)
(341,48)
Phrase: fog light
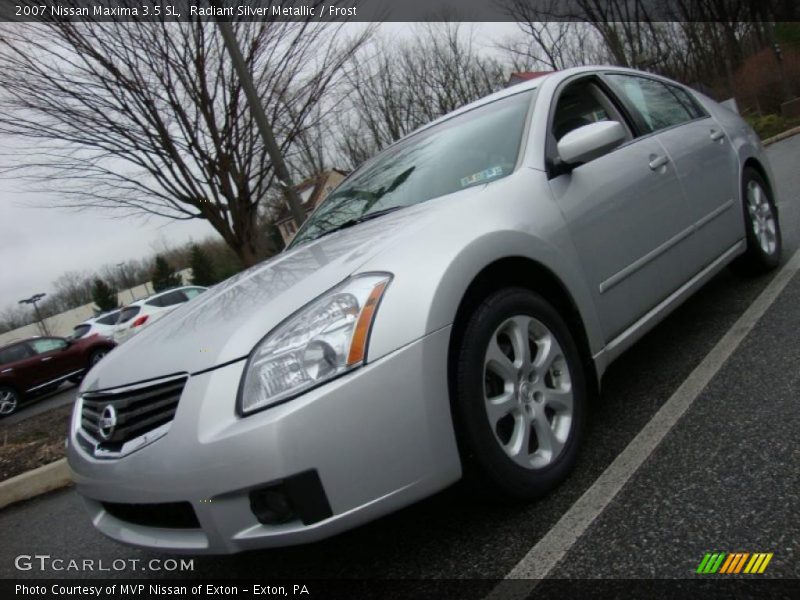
(298,497)
(271,506)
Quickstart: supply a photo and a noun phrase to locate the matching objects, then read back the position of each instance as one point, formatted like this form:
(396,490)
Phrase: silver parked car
(448,310)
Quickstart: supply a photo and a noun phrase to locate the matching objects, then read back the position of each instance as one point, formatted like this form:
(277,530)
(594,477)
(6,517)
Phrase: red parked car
(37,365)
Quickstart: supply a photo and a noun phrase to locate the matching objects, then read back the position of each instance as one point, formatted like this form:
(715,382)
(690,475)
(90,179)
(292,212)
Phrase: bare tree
(15,317)
(72,289)
(395,87)
(543,44)
(149,117)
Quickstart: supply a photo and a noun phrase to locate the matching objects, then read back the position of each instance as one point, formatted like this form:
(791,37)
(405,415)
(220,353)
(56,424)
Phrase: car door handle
(47,358)
(716,135)
(656,162)
(8,370)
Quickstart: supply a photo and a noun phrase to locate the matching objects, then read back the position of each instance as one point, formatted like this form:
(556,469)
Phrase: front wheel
(762,228)
(9,401)
(95,357)
(520,395)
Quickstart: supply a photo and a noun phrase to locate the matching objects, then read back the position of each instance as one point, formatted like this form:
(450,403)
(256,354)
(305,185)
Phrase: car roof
(156,295)
(511,90)
(532,84)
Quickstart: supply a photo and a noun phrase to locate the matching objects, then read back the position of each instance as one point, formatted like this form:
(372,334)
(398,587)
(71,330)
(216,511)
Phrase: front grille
(172,515)
(111,419)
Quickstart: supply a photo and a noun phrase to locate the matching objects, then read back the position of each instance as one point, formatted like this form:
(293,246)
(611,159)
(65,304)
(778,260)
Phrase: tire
(9,401)
(762,227)
(536,396)
(95,357)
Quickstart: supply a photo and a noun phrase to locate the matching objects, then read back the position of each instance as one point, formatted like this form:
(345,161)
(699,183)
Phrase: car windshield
(471,149)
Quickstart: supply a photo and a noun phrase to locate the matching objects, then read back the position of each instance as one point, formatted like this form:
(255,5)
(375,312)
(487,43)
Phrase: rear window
(127,313)
(80,330)
(109,319)
(15,353)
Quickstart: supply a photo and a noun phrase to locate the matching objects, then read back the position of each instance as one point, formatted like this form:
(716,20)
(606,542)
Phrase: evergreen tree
(202,269)
(163,277)
(104,296)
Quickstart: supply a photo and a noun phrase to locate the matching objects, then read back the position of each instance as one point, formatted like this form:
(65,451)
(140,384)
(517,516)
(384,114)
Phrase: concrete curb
(37,481)
(781,136)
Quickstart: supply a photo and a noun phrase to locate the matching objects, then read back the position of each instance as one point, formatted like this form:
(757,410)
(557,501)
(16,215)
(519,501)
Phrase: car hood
(225,323)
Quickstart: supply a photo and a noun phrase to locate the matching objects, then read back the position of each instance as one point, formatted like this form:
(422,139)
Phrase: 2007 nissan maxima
(449,309)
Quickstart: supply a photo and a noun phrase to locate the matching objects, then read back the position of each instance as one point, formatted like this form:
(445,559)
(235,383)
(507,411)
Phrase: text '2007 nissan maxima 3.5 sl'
(448,310)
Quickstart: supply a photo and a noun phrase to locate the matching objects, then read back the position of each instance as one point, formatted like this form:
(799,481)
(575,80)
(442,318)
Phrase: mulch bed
(34,442)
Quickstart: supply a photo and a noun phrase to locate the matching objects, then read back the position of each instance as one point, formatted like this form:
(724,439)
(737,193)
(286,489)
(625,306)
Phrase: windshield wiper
(365,217)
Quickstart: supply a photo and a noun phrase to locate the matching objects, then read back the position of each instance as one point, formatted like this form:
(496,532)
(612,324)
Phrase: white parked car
(136,316)
(103,325)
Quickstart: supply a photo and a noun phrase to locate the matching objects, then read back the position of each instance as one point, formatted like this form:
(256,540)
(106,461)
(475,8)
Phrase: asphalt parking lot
(725,478)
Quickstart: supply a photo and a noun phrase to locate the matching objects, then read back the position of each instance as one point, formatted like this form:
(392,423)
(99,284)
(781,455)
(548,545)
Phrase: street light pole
(125,280)
(292,199)
(33,300)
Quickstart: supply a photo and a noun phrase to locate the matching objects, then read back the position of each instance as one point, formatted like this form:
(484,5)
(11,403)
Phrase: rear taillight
(140,321)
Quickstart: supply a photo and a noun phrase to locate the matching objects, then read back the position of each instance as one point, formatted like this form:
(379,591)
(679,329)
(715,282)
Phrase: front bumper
(379,438)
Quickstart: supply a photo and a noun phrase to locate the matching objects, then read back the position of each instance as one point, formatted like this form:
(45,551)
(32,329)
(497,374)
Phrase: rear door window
(157,301)
(44,345)
(173,298)
(15,353)
(688,101)
(657,106)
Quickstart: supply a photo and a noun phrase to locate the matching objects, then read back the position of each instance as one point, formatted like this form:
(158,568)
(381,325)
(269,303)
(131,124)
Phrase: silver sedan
(447,312)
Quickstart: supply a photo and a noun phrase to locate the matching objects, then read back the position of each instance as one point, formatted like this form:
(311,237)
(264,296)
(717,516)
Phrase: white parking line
(551,548)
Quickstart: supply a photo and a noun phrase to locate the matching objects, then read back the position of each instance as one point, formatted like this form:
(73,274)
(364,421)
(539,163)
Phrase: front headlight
(321,341)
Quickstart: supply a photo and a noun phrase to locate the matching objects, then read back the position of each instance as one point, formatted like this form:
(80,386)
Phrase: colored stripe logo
(733,563)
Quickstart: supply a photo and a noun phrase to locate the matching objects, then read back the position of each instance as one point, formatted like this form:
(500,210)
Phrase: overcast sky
(39,244)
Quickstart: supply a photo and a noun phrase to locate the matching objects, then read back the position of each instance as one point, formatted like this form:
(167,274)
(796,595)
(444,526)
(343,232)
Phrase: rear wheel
(520,401)
(762,228)
(9,401)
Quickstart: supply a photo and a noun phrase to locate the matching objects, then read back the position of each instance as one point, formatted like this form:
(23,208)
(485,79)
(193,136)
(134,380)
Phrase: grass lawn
(767,126)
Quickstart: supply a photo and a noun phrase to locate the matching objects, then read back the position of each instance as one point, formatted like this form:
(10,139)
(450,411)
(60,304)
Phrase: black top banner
(402,10)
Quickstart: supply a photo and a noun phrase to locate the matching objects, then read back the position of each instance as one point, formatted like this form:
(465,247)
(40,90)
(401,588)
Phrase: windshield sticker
(484,175)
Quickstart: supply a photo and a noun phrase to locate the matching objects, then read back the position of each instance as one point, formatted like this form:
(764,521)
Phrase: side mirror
(590,141)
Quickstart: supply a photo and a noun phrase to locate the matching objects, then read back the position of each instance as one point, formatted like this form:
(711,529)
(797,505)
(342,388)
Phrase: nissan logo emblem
(108,421)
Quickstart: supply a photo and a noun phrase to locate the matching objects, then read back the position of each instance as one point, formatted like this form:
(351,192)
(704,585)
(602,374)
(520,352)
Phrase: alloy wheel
(528,392)
(8,402)
(762,219)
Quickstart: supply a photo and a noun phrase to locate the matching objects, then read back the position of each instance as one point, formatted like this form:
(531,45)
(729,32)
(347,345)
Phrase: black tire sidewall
(481,452)
(92,361)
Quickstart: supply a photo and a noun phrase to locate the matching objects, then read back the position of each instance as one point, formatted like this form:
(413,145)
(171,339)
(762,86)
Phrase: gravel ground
(34,442)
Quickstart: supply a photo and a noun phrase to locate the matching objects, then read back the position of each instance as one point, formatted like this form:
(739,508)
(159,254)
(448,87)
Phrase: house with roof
(311,191)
